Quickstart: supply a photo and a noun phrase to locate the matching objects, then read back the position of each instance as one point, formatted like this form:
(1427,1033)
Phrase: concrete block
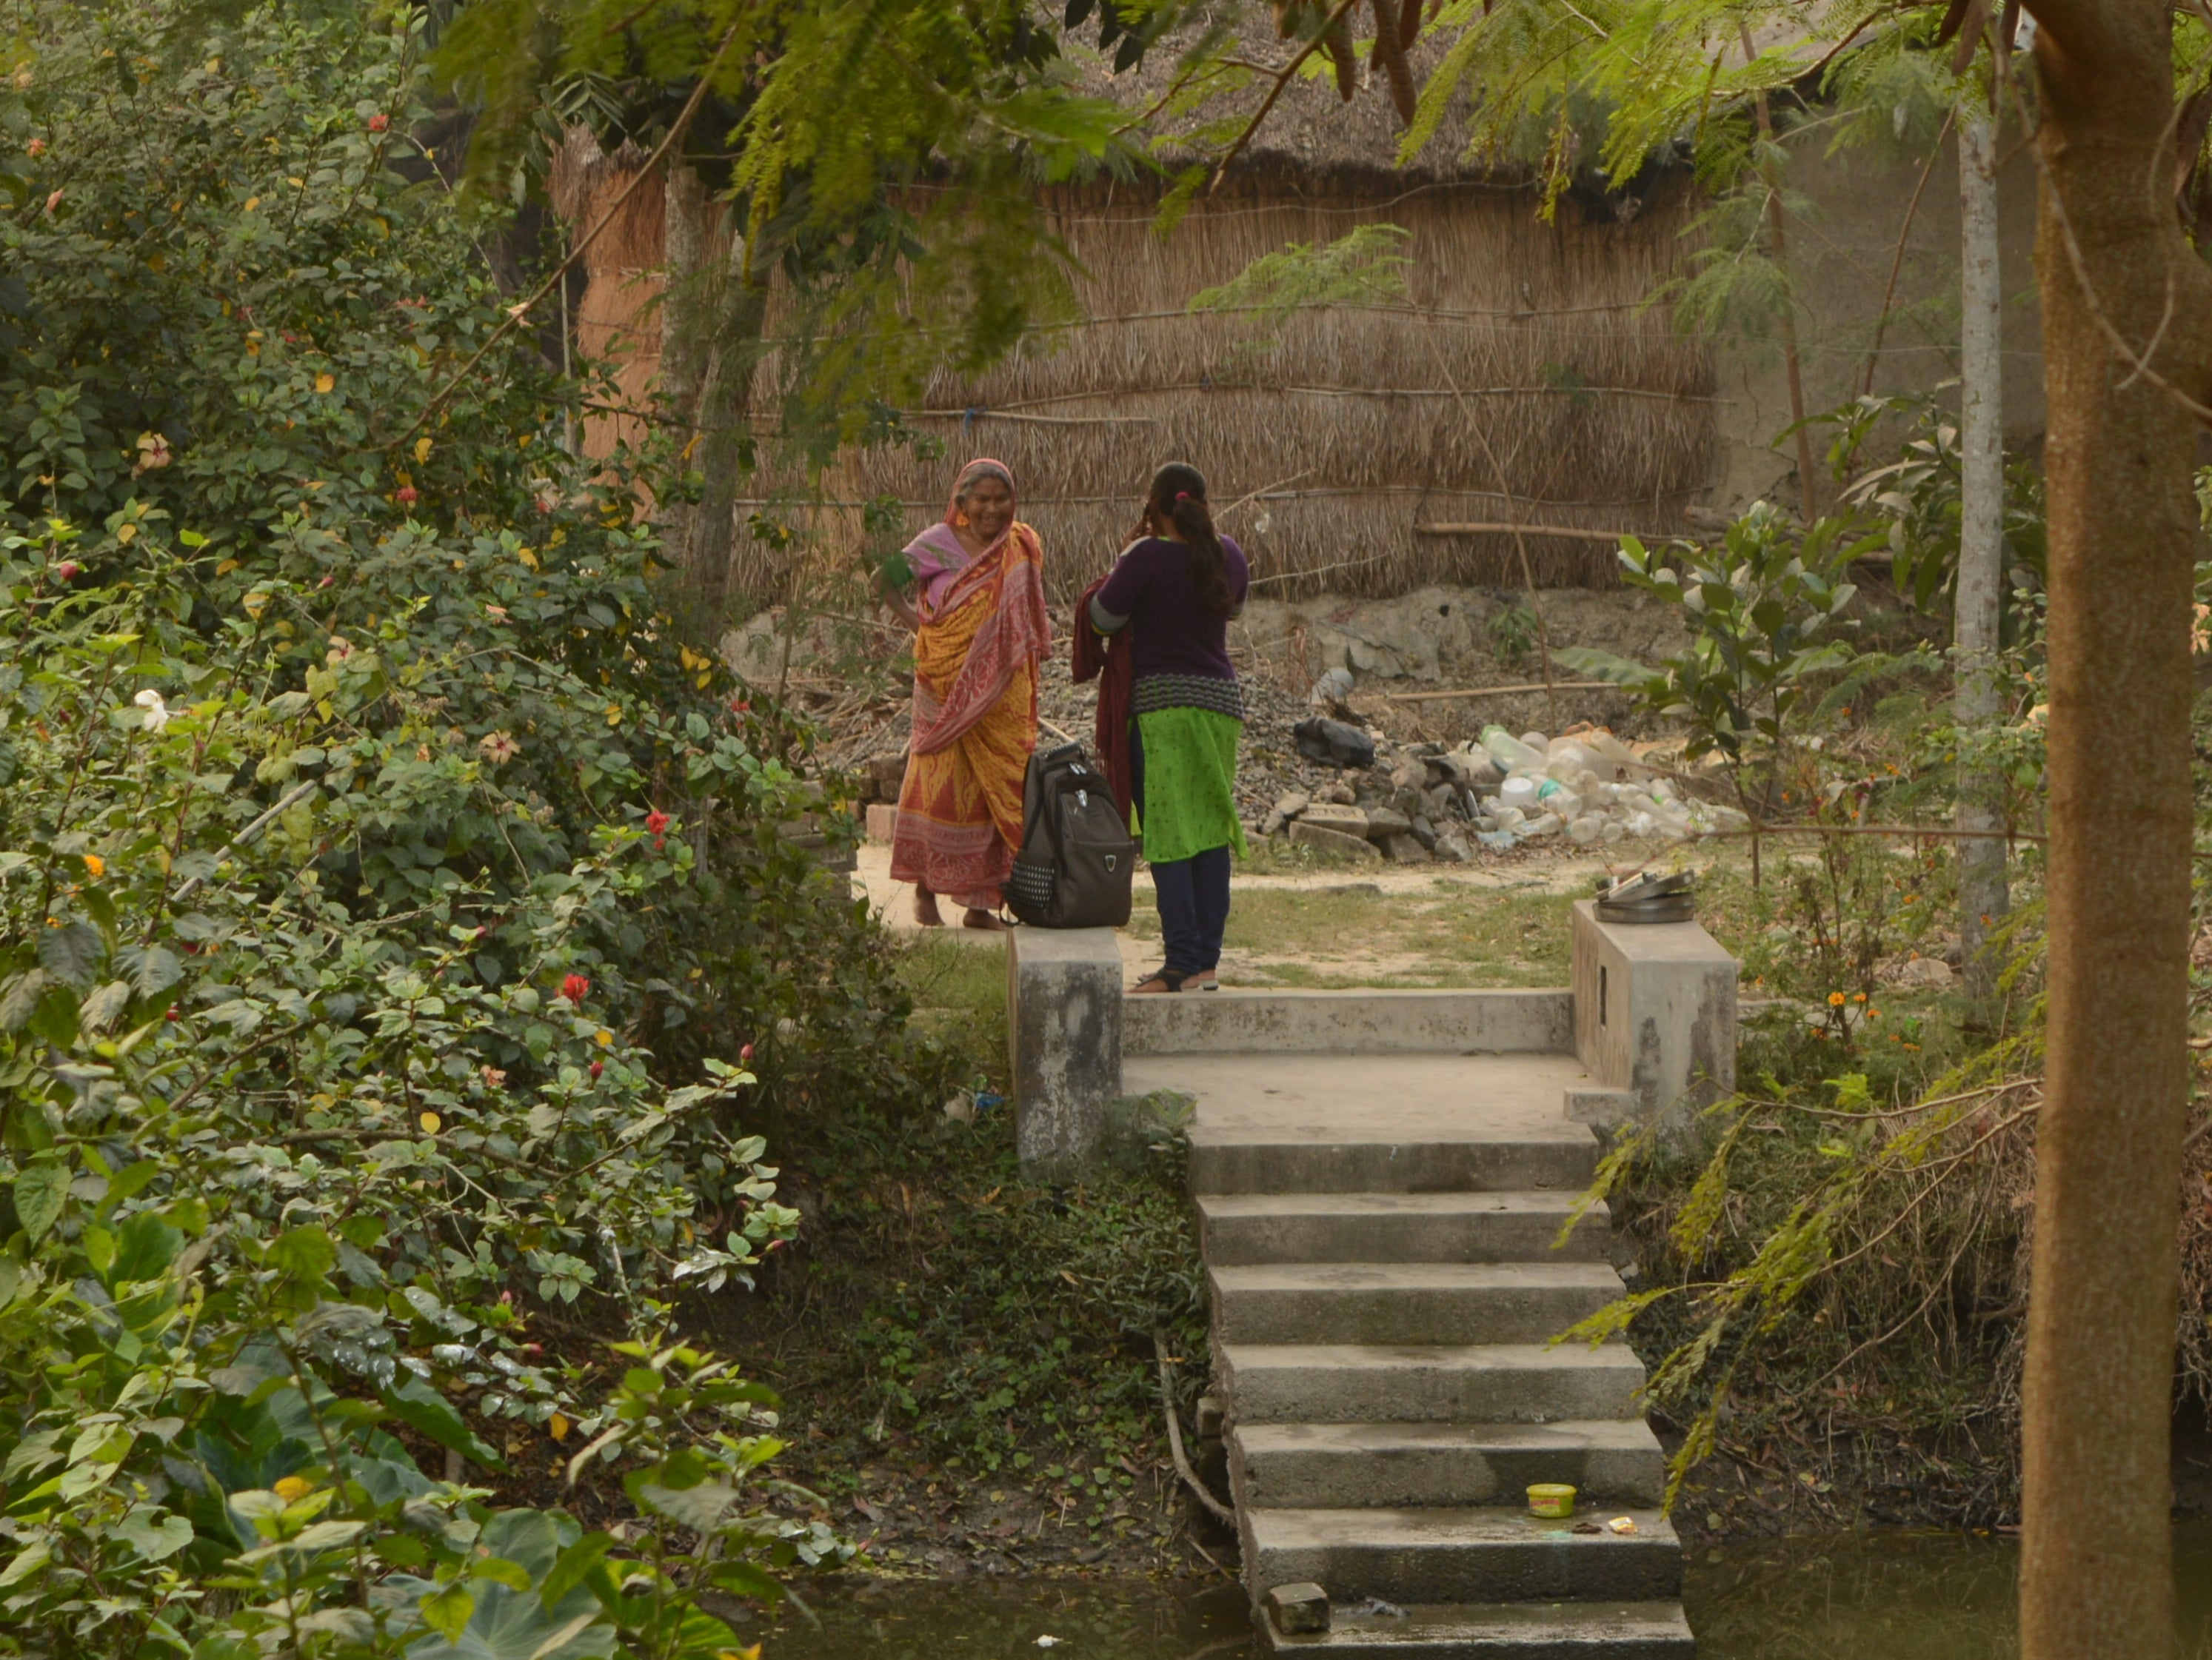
(1064,1019)
(1654,1017)
(1353,1023)
(883,820)
(1298,1610)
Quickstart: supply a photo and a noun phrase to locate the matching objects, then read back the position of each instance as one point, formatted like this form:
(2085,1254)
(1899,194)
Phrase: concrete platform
(1352,1022)
(1472,1382)
(1399,1228)
(1504,1631)
(1470,1555)
(1407,1302)
(1350,1466)
(1442,1124)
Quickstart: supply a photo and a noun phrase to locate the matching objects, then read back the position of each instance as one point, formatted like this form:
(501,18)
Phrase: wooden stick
(1486,527)
(1501,691)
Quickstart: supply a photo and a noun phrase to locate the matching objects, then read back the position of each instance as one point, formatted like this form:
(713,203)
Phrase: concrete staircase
(1379,1179)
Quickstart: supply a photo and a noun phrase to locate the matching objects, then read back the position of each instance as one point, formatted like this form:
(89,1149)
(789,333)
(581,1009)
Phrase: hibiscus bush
(401,939)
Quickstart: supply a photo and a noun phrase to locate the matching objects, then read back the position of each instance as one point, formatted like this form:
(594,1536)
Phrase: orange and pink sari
(983,633)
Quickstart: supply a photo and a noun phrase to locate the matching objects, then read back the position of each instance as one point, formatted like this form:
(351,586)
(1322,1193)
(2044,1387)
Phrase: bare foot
(983,921)
(924,909)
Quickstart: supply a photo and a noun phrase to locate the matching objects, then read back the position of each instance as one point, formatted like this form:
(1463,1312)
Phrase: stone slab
(883,821)
(1306,833)
(1462,1555)
(1426,1384)
(1503,1630)
(1398,1228)
(1406,1302)
(1513,1022)
(1348,1466)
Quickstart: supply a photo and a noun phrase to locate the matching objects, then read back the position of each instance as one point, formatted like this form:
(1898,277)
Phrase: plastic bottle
(1586,829)
(1519,792)
(1510,753)
(1544,824)
(1509,818)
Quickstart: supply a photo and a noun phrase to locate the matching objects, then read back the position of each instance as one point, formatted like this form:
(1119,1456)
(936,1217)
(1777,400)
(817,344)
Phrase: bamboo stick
(1487,528)
(1501,691)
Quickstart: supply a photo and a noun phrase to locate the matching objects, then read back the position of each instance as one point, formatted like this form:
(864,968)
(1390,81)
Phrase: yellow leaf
(557,1427)
(297,184)
(614,714)
(526,557)
(124,532)
(706,675)
(603,1037)
(431,1123)
(161,858)
(323,383)
(253,603)
(421,449)
(157,262)
(251,202)
(293,1489)
(223,567)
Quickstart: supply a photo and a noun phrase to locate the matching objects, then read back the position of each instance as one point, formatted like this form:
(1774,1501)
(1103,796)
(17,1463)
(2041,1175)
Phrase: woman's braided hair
(1178,496)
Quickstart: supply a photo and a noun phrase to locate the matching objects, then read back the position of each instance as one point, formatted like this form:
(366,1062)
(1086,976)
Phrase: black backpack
(1077,857)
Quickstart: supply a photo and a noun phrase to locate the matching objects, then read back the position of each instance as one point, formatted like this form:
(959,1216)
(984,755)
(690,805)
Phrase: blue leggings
(1193,892)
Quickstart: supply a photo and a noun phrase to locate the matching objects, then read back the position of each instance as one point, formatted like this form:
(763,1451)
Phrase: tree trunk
(723,454)
(1793,366)
(682,343)
(1978,607)
(2097,1577)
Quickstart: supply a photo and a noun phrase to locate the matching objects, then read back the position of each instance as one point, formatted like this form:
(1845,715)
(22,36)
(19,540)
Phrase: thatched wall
(1524,379)
(618,320)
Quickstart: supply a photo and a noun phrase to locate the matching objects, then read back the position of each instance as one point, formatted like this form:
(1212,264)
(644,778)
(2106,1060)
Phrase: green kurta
(1190,784)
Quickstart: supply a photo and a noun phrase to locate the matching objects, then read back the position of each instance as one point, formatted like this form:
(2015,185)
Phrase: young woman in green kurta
(1175,589)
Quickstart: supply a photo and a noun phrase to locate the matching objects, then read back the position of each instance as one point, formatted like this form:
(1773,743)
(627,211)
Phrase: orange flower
(1835,1000)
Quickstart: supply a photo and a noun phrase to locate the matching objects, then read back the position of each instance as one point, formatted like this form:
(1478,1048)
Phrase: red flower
(575,988)
(35,148)
(738,705)
(598,1067)
(173,1015)
(326,582)
(747,1053)
(656,822)
(406,495)
(378,122)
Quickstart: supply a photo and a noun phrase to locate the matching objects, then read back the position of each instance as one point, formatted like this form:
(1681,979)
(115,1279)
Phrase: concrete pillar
(1655,1021)
(1064,1023)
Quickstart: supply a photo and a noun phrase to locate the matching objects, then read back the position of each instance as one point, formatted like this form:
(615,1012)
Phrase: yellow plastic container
(1554,1500)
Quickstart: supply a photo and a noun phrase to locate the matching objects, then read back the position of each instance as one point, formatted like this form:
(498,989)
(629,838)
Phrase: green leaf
(70,953)
(500,1571)
(20,997)
(40,1192)
(306,1251)
(422,1408)
(573,1566)
(151,1539)
(446,1612)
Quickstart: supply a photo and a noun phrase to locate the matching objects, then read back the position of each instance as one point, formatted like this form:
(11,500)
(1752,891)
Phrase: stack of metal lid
(1646,897)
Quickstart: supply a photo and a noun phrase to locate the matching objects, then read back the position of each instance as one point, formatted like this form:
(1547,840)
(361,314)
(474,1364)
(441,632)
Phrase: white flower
(157,713)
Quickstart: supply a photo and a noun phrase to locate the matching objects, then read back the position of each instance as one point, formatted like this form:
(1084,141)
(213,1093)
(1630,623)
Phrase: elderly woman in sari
(974,596)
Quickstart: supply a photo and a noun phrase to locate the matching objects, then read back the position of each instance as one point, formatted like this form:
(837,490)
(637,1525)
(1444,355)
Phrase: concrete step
(1472,1383)
(1470,1555)
(1406,1302)
(1348,1466)
(1503,1630)
(1398,1228)
(1350,1023)
(1296,1160)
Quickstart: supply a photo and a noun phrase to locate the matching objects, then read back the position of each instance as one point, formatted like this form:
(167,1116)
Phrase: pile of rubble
(1493,793)
(1322,772)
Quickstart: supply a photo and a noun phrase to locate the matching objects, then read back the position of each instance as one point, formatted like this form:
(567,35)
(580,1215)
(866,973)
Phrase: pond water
(1896,1595)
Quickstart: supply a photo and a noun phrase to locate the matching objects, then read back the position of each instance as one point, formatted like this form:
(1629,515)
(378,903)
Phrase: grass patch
(1446,933)
(959,990)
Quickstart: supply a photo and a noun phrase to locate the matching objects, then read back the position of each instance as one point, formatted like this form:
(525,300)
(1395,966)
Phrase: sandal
(1157,981)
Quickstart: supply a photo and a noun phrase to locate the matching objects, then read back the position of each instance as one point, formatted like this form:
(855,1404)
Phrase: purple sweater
(1151,589)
